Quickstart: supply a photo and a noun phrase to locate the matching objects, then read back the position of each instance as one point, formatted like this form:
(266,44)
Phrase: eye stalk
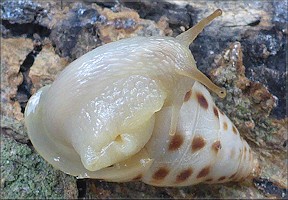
(188,36)
(197,75)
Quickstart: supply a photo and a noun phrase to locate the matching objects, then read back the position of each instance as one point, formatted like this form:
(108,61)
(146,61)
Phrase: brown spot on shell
(187,96)
(222,178)
(215,110)
(176,142)
(197,143)
(202,100)
(225,126)
(209,180)
(161,173)
(137,177)
(184,175)
(216,146)
(234,130)
(204,172)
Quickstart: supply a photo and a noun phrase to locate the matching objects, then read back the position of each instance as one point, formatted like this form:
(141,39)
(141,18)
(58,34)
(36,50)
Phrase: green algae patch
(24,174)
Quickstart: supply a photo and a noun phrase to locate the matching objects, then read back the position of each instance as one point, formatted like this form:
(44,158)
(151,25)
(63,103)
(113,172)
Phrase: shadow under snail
(136,109)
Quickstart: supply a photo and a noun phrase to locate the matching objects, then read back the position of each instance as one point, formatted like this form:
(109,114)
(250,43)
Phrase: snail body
(112,113)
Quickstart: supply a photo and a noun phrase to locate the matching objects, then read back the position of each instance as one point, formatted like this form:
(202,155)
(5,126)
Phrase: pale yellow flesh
(65,158)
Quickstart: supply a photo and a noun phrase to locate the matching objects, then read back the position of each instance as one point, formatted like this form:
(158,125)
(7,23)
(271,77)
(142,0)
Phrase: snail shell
(136,109)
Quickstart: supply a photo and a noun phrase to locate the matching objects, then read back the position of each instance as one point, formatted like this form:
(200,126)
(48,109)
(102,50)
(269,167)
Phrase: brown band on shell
(204,172)
(176,142)
(198,143)
(225,126)
(160,174)
(234,130)
(187,96)
(222,178)
(215,110)
(202,100)
(184,175)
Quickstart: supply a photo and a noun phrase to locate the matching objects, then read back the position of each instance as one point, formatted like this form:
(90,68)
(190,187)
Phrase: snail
(138,109)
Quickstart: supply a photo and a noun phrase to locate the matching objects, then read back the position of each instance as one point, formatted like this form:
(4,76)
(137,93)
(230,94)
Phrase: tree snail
(137,109)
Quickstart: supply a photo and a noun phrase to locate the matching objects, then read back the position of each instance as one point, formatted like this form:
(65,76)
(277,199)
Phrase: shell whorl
(207,147)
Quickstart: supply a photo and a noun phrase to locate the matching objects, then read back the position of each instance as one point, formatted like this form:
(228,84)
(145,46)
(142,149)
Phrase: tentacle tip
(218,12)
(222,93)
